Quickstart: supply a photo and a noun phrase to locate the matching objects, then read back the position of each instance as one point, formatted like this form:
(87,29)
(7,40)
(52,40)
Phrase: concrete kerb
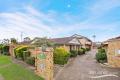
(106,65)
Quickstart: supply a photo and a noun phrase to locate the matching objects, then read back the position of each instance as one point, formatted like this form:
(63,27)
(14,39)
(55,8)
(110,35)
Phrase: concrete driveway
(85,67)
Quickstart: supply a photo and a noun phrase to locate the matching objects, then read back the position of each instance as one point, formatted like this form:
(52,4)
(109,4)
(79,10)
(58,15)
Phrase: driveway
(85,67)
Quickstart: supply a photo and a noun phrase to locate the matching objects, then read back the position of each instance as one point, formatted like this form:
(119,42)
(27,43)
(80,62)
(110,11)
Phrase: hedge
(61,56)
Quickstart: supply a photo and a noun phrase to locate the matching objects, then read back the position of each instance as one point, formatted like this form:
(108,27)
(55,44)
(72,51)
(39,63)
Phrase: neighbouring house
(27,39)
(69,43)
(85,42)
(113,51)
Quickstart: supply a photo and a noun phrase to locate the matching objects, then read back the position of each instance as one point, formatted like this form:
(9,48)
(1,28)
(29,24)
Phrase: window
(117,52)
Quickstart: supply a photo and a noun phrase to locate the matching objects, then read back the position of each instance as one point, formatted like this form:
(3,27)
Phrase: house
(85,42)
(69,43)
(74,42)
(104,44)
(113,51)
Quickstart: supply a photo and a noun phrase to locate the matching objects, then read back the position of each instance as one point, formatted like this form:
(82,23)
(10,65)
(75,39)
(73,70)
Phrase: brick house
(85,42)
(69,43)
(113,51)
(73,42)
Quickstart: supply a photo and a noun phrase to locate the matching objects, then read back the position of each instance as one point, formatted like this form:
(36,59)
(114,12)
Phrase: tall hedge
(61,56)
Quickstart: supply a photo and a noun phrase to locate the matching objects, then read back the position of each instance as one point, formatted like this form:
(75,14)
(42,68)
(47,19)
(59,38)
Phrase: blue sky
(60,18)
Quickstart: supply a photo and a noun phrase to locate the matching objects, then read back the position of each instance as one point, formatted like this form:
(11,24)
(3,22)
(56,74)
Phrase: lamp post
(94,36)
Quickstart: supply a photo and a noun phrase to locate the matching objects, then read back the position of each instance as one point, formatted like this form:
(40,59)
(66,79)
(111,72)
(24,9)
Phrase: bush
(61,56)
(81,51)
(73,53)
(20,51)
(26,54)
(101,56)
(5,50)
(87,49)
(101,50)
(30,61)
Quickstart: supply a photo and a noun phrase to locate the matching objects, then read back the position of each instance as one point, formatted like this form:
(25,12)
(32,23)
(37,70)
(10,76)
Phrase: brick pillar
(11,49)
(44,64)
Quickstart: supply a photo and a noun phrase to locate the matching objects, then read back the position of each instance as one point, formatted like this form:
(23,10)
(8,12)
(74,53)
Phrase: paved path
(85,67)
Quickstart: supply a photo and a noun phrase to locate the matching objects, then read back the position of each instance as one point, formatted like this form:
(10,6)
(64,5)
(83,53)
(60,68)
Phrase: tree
(26,39)
(5,41)
(43,42)
(1,46)
(13,40)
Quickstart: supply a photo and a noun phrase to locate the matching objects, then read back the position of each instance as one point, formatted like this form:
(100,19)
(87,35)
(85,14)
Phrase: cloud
(101,7)
(30,22)
(34,23)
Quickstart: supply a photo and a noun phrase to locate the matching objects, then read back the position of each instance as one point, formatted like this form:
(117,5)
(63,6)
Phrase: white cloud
(102,6)
(31,24)
(35,23)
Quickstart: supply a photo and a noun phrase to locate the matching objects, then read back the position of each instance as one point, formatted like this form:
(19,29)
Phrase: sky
(59,18)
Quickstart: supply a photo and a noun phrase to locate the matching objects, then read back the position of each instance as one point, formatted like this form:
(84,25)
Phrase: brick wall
(113,53)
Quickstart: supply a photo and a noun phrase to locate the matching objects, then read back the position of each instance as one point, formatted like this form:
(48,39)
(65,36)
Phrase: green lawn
(11,71)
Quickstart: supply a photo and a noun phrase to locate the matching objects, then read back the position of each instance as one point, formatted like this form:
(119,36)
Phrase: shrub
(5,50)
(61,56)
(101,56)
(87,49)
(26,54)
(19,51)
(84,49)
(73,53)
(101,50)
(30,61)
(81,51)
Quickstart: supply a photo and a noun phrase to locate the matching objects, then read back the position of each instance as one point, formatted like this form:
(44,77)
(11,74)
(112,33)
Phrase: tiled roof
(112,39)
(25,42)
(80,36)
(64,40)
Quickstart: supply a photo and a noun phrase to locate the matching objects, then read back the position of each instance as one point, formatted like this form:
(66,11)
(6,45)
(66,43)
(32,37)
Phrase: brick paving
(85,67)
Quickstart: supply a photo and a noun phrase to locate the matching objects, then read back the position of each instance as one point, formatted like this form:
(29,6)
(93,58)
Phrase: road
(85,67)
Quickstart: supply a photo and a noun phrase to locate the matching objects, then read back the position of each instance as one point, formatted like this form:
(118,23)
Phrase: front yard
(12,71)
